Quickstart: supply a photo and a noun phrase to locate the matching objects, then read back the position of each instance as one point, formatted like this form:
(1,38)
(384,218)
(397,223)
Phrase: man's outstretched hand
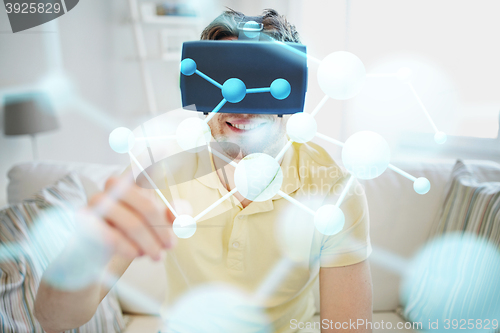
(129,220)
(119,224)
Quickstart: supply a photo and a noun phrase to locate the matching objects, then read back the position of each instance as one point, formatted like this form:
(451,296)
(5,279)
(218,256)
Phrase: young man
(242,242)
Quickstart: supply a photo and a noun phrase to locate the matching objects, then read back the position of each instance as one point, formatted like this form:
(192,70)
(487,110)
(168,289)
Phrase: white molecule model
(218,308)
(341,75)
(280,89)
(454,277)
(404,74)
(366,155)
(184,226)
(440,137)
(294,233)
(329,219)
(258,177)
(301,127)
(193,133)
(421,185)
(234,90)
(188,67)
(121,140)
(251,29)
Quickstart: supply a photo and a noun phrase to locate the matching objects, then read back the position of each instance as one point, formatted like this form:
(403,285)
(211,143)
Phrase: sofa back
(400,220)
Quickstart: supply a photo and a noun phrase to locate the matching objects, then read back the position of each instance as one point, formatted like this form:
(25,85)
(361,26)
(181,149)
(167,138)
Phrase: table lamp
(29,114)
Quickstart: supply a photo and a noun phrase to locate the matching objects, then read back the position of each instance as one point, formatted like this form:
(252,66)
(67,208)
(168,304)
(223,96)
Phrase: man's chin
(241,147)
(238,154)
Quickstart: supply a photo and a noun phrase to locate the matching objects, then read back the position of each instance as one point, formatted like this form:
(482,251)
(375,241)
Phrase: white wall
(451,47)
(85,35)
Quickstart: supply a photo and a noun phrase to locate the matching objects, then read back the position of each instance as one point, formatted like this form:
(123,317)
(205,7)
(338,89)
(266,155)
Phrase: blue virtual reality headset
(253,74)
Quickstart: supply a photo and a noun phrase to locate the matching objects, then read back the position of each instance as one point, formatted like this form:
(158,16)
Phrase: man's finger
(131,224)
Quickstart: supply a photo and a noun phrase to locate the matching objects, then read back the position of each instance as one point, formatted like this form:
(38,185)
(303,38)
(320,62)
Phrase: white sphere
(440,137)
(251,29)
(329,220)
(121,140)
(84,256)
(291,232)
(258,177)
(301,127)
(421,185)
(61,90)
(453,277)
(366,155)
(184,226)
(404,74)
(341,75)
(193,134)
(217,307)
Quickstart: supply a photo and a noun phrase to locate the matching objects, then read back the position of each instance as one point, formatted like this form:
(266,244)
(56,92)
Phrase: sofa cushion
(28,178)
(469,221)
(401,219)
(470,205)
(32,233)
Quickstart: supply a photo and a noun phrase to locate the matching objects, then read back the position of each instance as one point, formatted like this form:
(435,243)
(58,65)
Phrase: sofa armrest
(26,179)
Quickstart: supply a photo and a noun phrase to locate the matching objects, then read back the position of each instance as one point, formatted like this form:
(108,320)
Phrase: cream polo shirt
(241,246)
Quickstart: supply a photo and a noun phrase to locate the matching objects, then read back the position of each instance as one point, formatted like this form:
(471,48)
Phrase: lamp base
(34,147)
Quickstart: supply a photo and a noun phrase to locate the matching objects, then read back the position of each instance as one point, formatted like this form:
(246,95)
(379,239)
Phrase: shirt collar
(205,170)
(290,169)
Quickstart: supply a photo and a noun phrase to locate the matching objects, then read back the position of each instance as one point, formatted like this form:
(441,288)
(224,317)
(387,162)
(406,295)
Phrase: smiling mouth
(246,127)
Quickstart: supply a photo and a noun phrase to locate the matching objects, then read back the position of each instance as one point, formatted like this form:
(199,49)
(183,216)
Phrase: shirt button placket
(235,257)
(236,244)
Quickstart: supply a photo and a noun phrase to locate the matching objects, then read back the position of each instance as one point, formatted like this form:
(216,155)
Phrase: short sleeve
(352,244)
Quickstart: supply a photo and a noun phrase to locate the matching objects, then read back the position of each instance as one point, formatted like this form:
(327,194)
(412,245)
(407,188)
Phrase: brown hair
(275,26)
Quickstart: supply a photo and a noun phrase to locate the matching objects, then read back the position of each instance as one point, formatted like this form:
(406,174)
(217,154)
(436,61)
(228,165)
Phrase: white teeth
(246,127)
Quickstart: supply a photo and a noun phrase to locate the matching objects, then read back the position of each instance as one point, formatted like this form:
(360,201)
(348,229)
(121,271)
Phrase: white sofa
(400,222)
